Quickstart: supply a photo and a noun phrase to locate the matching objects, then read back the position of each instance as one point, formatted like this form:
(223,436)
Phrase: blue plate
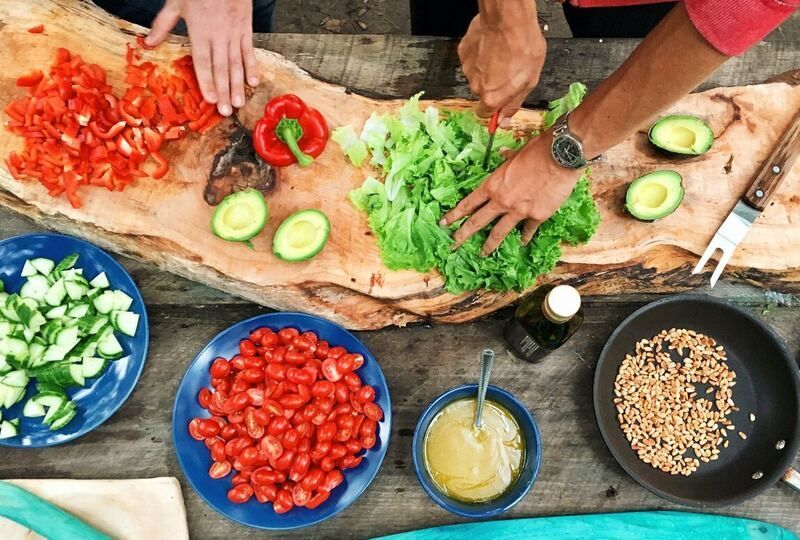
(530,467)
(194,456)
(104,395)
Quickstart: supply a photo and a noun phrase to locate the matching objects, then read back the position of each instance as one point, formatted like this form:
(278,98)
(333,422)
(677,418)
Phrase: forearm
(507,13)
(672,61)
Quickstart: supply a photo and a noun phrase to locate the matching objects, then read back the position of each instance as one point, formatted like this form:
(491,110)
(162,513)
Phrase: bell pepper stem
(289,131)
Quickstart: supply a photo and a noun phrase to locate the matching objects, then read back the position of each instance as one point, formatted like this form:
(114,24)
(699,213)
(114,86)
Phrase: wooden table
(578,474)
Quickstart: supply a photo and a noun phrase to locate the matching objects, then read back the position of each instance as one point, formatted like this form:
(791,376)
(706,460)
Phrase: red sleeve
(733,26)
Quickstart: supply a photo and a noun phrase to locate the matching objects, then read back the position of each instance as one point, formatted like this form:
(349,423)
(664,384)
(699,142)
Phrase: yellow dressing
(473,465)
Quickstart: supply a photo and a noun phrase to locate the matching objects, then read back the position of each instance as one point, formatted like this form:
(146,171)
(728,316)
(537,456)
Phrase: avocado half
(681,135)
(654,195)
(240,216)
(301,236)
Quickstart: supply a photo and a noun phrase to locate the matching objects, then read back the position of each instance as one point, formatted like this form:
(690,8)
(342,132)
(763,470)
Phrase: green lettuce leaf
(432,159)
(353,147)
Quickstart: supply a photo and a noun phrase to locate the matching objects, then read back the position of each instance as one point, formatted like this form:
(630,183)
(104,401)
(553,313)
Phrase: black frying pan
(768,385)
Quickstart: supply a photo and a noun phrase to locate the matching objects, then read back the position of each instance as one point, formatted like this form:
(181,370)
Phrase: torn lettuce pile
(431,160)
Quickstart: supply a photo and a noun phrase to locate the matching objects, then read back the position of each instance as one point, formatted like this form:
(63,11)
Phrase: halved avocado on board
(654,195)
(301,236)
(681,135)
(240,216)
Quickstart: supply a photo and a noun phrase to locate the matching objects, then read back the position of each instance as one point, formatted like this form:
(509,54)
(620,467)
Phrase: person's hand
(221,32)
(503,59)
(528,187)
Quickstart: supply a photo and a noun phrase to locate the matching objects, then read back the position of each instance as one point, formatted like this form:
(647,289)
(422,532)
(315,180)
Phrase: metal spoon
(487,361)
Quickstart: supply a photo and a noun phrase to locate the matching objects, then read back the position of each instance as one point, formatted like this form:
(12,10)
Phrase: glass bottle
(544,321)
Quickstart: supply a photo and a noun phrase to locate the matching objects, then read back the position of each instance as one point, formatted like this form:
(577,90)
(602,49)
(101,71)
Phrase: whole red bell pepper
(290,132)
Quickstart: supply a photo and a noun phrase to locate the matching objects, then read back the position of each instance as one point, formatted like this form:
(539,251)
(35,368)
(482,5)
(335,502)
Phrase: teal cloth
(43,518)
(619,526)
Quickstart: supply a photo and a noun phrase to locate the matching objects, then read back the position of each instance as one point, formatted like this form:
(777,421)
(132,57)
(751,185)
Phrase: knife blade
(490,143)
(749,207)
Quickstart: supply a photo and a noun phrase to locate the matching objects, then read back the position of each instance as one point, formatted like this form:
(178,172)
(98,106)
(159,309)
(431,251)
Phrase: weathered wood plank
(161,288)
(419,363)
(400,66)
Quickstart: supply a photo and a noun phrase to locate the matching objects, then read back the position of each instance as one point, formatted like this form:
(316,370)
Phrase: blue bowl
(104,395)
(194,457)
(530,468)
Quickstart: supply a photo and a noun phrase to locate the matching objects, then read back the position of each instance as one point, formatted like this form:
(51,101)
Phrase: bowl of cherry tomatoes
(282,421)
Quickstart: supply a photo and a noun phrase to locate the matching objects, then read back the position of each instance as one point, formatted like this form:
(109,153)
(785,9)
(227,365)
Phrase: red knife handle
(493,122)
(776,167)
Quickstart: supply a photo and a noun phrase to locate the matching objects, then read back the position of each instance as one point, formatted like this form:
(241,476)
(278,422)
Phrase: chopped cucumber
(28,269)
(75,290)
(76,373)
(68,337)
(78,311)
(63,420)
(33,409)
(56,293)
(42,265)
(105,303)
(93,367)
(8,430)
(56,353)
(110,348)
(49,399)
(122,302)
(54,413)
(14,348)
(36,287)
(16,379)
(57,312)
(125,321)
(100,281)
(65,264)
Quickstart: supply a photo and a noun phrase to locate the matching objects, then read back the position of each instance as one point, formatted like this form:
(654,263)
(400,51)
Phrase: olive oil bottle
(544,321)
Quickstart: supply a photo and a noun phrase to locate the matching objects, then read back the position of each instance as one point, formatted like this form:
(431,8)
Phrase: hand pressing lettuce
(429,160)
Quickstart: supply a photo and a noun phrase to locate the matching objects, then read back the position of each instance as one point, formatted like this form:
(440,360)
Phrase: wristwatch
(567,148)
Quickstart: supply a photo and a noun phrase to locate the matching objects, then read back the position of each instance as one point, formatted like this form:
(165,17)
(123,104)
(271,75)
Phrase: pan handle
(792,477)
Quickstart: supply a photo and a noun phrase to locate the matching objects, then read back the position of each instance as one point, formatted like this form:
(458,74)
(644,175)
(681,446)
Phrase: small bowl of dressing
(476,473)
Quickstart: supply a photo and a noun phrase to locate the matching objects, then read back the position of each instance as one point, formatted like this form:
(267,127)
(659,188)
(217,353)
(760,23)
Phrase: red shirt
(730,26)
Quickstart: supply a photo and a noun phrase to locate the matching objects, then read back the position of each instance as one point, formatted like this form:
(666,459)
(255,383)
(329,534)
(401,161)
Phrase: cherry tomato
(208,428)
(326,405)
(322,350)
(292,401)
(345,422)
(320,450)
(285,460)
(369,427)
(237,362)
(204,397)
(302,344)
(269,339)
(220,368)
(271,446)
(273,407)
(373,411)
(278,426)
(262,417)
(194,429)
(319,498)
(368,440)
(351,462)
(286,335)
(237,402)
(342,393)
(327,464)
(254,362)
(264,475)
(218,450)
(234,447)
(306,429)
(266,493)
(300,376)
(352,381)
(275,371)
(332,479)
(302,462)
(252,375)
(239,386)
(255,335)
(312,479)
(326,432)
(322,389)
(283,502)
(330,370)
(224,386)
(228,432)
(337,451)
(249,456)
(300,495)
(247,348)
(304,445)
(336,352)
(240,494)
(219,469)
(256,396)
(358,361)
(239,478)
(343,434)
(366,394)
(310,336)
(352,446)
(294,357)
(345,363)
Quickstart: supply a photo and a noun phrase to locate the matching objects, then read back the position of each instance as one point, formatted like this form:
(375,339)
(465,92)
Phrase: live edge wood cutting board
(166,222)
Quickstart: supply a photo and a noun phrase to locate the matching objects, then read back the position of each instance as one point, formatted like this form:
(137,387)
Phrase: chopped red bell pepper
(290,132)
(38,29)
(31,78)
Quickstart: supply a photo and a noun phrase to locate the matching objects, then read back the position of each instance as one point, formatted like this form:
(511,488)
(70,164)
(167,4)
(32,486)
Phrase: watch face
(568,152)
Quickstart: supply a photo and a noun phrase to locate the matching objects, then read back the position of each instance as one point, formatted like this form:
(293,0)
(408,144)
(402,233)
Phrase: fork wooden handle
(776,167)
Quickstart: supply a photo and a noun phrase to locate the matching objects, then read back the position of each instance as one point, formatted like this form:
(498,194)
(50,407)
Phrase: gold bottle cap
(561,303)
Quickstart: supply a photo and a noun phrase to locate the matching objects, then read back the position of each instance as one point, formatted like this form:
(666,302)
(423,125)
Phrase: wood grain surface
(167,222)
(578,474)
